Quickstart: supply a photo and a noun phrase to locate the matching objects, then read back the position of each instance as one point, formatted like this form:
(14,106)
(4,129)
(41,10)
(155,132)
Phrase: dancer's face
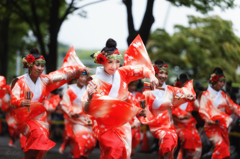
(162,76)
(111,66)
(132,87)
(82,80)
(219,85)
(37,69)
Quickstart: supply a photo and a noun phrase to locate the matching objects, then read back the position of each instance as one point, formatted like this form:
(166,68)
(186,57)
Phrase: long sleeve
(133,73)
(66,104)
(59,77)
(52,103)
(233,107)
(16,96)
(203,106)
(178,92)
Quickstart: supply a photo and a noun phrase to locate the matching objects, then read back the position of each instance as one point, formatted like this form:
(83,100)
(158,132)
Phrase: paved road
(7,152)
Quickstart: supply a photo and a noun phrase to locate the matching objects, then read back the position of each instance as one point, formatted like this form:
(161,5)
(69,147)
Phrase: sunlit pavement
(7,152)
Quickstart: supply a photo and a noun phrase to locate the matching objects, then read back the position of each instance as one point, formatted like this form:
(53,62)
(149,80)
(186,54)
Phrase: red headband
(116,52)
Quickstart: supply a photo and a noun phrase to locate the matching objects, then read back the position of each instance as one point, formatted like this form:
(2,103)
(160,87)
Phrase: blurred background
(191,36)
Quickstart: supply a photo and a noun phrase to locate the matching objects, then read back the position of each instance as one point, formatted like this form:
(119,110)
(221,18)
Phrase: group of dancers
(106,108)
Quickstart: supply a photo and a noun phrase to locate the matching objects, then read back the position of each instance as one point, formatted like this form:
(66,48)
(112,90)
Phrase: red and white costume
(34,125)
(83,136)
(159,114)
(109,109)
(135,123)
(216,105)
(51,104)
(5,94)
(186,130)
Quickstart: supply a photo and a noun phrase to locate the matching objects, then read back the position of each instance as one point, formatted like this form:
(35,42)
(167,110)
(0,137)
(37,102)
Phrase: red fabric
(135,137)
(84,144)
(189,138)
(111,146)
(145,145)
(23,140)
(221,147)
(137,54)
(35,110)
(36,139)
(116,112)
(169,142)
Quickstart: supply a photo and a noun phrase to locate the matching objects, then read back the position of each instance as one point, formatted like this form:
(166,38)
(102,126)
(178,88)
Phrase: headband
(102,57)
(160,67)
(29,60)
(215,78)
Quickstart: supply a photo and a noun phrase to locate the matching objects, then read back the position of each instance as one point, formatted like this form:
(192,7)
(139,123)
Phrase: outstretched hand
(142,113)
(153,82)
(91,90)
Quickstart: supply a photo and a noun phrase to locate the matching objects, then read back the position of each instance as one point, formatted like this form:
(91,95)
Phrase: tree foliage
(44,19)
(202,6)
(14,36)
(197,49)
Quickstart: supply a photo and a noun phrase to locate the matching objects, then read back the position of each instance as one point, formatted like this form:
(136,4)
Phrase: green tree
(202,6)
(197,49)
(14,36)
(45,18)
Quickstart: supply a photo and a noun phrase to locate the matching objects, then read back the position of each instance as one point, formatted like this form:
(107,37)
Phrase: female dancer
(135,123)
(185,123)
(81,125)
(115,142)
(28,93)
(5,93)
(159,114)
(215,108)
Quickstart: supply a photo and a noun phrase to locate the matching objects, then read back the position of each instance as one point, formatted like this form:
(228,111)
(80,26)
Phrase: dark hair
(183,77)
(159,63)
(111,46)
(218,71)
(35,53)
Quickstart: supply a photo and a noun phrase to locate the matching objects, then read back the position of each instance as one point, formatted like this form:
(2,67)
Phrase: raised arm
(233,107)
(184,94)
(133,73)
(87,96)
(59,77)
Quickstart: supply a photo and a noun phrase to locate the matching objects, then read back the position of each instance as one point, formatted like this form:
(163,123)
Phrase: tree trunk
(53,36)
(146,25)
(4,30)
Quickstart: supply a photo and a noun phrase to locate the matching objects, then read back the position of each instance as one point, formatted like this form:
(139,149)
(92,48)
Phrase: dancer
(132,87)
(134,97)
(185,124)
(215,108)
(9,114)
(28,93)
(158,106)
(80,124)
(135,123)
(106,105)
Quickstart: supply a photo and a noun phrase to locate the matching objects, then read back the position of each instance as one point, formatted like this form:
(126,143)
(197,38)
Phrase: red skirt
(36,136)
(111,146)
